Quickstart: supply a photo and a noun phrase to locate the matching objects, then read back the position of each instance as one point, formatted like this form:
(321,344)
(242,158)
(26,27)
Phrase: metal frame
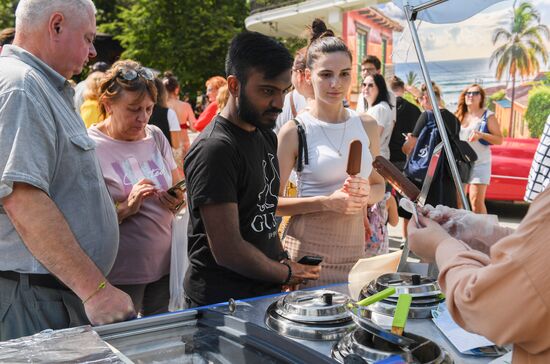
(410,13)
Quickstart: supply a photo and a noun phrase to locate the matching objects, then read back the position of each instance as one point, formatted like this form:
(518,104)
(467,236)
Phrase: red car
(510,167)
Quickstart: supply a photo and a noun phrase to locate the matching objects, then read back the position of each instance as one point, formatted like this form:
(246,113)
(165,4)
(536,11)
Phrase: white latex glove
(479,231)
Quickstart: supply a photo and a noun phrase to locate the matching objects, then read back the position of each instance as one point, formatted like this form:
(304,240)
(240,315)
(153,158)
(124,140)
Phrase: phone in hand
(310,260)
(181,185)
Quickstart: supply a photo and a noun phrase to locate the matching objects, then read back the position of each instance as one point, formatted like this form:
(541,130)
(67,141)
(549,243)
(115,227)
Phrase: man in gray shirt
(58,225)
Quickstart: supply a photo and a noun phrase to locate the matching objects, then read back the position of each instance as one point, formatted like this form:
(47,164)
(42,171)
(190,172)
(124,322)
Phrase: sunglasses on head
(368,85)
(130,74)
(473,93)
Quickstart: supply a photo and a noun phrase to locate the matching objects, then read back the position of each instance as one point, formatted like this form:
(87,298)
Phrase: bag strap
(302,146)
(484,116)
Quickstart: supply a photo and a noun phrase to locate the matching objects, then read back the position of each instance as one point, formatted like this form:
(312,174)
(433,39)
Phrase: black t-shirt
(407,115)
(229,164)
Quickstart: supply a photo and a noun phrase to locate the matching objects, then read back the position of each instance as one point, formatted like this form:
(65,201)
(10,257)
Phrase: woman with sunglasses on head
(327,216)
(376,93)
(479,127)
(138,168)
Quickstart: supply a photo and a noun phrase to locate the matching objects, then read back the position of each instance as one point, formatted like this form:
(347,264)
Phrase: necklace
(338,150)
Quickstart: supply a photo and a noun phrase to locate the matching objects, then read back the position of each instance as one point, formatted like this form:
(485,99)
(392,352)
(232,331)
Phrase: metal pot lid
(373,349)
(311,315)
(314,306)
(413,284)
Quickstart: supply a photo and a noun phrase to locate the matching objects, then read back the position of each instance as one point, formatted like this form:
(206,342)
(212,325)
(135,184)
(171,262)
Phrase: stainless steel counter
(253,310)
(216,334)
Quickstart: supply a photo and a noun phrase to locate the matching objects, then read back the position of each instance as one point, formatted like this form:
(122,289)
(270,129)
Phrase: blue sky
(468,39)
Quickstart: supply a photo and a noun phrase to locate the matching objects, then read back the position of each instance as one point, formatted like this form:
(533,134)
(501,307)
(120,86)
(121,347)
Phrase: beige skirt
(339,239)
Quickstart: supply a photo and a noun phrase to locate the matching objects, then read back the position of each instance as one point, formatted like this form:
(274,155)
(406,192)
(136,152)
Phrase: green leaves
(523,45)
(187,37)
(7,13)
(537,110)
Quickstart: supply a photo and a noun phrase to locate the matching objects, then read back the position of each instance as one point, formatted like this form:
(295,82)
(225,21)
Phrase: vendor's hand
(172,203)
(303,272)
(424,241)
(479,231)
(109,305)
(143,189)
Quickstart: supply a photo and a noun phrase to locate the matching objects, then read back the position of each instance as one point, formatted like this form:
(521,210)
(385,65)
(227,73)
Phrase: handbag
(465,157)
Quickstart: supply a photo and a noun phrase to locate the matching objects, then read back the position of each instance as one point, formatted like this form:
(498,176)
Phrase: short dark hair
(6,36)
(373,60)
(252,50)
(383,94)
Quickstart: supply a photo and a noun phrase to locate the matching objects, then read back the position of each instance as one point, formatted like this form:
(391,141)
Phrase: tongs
(362,318)
(361,315)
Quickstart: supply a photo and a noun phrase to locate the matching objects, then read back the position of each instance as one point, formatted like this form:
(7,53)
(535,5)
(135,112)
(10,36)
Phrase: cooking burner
(371,349)
(425,292)
(311,315)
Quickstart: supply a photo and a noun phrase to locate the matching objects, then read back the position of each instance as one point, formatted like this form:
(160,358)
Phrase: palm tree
(412,78)
(522,47)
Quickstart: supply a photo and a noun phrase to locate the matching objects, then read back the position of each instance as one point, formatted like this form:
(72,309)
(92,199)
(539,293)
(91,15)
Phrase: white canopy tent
(440,12)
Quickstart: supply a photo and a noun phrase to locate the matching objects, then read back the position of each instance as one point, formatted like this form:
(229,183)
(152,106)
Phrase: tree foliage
(7,13)
(188,37)
(497,96)
(537,110)
(522,44)
(412,78)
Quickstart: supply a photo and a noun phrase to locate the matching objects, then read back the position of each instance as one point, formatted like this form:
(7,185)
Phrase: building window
(362,38)
(384,52)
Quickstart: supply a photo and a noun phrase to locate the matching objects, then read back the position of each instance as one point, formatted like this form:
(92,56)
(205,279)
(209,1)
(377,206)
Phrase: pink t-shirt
(145,238)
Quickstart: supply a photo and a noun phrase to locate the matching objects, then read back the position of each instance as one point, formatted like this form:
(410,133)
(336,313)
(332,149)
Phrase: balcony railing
(257,6)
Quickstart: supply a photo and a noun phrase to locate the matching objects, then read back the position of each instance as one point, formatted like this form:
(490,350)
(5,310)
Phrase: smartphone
(310,260)
(181,185)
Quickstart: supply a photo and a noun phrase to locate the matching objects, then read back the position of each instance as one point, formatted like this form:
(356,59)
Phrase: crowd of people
(87,210)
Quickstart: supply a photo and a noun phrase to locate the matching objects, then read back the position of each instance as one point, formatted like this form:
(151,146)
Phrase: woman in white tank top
(327,216)
(472,114)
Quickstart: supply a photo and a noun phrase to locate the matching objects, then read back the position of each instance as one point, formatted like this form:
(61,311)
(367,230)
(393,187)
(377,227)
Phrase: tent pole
(411,15)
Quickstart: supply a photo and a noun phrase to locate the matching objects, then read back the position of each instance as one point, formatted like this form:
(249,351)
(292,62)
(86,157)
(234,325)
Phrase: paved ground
(509,214)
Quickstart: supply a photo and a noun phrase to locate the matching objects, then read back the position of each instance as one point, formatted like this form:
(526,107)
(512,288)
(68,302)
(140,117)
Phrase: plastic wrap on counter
(75,345)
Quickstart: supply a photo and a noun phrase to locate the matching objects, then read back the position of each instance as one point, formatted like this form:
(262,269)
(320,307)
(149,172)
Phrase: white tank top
(328,150)
(483,151)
